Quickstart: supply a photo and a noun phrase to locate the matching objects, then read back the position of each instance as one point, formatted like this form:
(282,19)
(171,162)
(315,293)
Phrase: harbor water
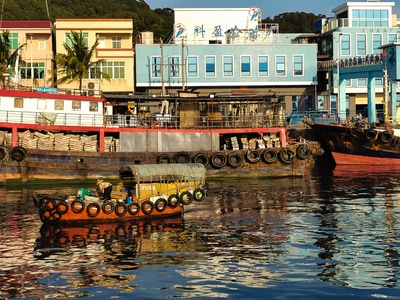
(334,234)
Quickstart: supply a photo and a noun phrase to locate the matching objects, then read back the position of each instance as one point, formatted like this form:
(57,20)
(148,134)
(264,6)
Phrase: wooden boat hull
(352,145)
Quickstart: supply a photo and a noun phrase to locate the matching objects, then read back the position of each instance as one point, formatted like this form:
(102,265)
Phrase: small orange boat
(151,190)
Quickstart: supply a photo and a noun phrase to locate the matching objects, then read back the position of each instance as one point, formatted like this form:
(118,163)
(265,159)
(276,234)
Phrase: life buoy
(173,200)
(3,153)
(161,204)
(182,157)
(147,207)
(269,156)
(218,160)
(18,153)
(93,209)
(201,158)
(62,207)
(286,155)
(303,151)
(77,206)
(120,209)
(199,194)
(356,133)
(186,198)
(385,137)
(235,159)
(253,156)
(165,158)
(370,134)
(133,208)
(107,207)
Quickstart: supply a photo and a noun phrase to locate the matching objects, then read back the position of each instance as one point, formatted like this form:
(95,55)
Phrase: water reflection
(335,231)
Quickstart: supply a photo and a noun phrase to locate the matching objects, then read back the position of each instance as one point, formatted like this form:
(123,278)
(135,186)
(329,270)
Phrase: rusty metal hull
(354,145)
(76,165)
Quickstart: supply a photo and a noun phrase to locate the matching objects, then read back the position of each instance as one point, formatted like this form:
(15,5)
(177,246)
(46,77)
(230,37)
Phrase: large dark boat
(53,135)
(359,143)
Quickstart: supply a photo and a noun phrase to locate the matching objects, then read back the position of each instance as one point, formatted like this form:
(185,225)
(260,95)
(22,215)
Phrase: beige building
(32,67)
(115,47)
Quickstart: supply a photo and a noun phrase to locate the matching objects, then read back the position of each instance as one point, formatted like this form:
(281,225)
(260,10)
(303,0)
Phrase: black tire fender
(235,159)
(186,198)
(253,156)
(174,201)
(18,153)
(370,134)
(218,160)
(303,151)
(62,207)
(161,204)
(182,157)
(147,207)
(108,207)
(78,206)
(357,133)
(165,158)
(93,209)
(120,209)
(133,208)
(385,137)
(199,194)
(3,153)
(286,155)
(269,156)
(201,158)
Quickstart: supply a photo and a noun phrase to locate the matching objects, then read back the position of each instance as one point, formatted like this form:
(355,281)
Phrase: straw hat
(99,181)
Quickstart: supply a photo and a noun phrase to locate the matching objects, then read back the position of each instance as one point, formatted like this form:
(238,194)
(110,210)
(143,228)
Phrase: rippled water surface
(331,236)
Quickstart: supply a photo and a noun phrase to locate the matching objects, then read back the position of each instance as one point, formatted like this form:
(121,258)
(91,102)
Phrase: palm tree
(7,58)
(75,64)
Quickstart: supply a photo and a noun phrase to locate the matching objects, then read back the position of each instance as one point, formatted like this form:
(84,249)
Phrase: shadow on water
(331,234)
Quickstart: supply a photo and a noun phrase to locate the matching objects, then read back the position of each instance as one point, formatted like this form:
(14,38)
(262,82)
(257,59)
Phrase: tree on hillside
(295,22)
(75,64)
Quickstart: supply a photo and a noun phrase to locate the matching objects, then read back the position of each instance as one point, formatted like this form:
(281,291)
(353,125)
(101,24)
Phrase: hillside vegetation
(159,21)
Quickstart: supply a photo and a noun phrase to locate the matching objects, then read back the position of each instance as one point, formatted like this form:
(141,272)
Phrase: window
(245,68)
(345,45)
(192,68)
(76,105)
(298,65)
(67,38)
(36,68)
(263,66)
(59,105)
(361,44)
(116,42)
(19,102)
(13,37)
(173,66)
(370,18)
(228,66)
(280,66)
(377,42)
(392,37)
(116,70)
(210,66)
(93,106)
(42,45)
(156,67)
(362,82)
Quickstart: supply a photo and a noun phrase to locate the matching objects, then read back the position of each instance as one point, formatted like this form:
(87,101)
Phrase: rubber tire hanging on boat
(3,154)
(18,153)
(120,209)
(269,156)
(186,198)
(164,204)
(218,160)
(165,158)
(253,156)
(147,207)
(92,206)
(182,157)
(50,205)
(108,207)
(286,155)
(303,151)
(356,133)
(78,209)
(370,134)
(131,209)
(201,158)
(199,194)
(62,207)
(174,201)
(385,137)
(235,159)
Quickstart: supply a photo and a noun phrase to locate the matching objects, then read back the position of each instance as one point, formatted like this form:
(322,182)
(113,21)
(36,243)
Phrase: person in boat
(104,189)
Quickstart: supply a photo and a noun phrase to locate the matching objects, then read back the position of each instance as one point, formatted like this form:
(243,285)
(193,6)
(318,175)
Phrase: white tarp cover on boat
(179,172)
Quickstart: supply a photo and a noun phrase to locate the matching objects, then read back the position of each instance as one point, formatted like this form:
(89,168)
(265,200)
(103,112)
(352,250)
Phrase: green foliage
(295,22)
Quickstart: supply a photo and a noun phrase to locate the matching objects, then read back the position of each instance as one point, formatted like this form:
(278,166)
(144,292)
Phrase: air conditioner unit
(93,88)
